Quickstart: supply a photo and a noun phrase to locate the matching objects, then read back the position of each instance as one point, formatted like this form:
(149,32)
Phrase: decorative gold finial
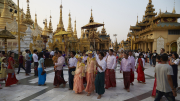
(91,12)
(75,32)
(91,18)
(61,5)
(69,29)
(150,1)
(50,25)
(27,19)
(174,11)
(137,19)
(159,11)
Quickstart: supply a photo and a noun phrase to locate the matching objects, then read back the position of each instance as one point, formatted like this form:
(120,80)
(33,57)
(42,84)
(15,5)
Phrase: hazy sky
(117,15)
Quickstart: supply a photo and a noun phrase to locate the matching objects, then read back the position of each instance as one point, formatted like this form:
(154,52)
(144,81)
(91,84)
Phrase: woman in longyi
(78,86)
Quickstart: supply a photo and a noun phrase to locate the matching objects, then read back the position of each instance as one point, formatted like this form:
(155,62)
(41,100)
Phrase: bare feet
(70,89)
(143,83)
(153,96)
(56,86)
(139,82)
(132,84)
(128,90)
(64,85)
(0,88)
(99,97)
(44,85)
(88,94)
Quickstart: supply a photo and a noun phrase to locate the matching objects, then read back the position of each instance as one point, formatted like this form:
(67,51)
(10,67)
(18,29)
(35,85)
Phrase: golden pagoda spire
(22,17)
(103,31)
(35,22)
(69,29)
(5,13)
(38,37)
(150,1)
(75,32)
(27,19)
(91,18)
(174,11)
(50,25)
(137,20)
(45,30)
(82,33)
(60,25)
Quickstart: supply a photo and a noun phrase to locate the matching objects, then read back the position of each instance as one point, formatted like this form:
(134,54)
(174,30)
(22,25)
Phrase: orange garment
(55,58)
(78,86)
(90,75)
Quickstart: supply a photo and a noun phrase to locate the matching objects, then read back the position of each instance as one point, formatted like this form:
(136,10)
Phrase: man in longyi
(58,80)
(91,72)
(110,79)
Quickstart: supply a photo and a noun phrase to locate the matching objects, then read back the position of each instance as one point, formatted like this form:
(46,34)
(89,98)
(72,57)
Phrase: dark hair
(102,54)
(10,54)
(40,55)
(176,55)
(73,52)
(163,49)
(130,50)
(158,57)
(126,53)
(164,57)
(60,52)
(56,52)
(35,51)
(111,50)
(26,50)
(140,55)
(20,52)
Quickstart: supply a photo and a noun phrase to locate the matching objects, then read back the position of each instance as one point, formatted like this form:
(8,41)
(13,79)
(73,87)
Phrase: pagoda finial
(150,1)
(174,11)
(27,19)
(137,19)
(22,16)
(60,25)
(75,32)
(91,18)
(5,12)
(50,25)
(45,30)
(69,29)
(35,22)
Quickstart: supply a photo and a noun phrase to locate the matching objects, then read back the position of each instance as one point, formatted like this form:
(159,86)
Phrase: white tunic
(72,62)
(102,63)
(111,62)
(60,63)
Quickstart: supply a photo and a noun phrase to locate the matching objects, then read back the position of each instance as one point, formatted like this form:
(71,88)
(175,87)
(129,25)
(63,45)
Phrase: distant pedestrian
(20,63)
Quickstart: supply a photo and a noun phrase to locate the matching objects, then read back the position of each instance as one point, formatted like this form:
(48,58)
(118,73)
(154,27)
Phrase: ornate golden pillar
(145,46)
(98,46)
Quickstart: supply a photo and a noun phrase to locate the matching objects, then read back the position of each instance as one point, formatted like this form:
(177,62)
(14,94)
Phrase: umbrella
(5,34)
(92,25)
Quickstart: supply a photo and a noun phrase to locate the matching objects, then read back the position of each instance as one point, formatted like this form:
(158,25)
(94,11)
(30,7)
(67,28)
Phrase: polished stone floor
(28,89)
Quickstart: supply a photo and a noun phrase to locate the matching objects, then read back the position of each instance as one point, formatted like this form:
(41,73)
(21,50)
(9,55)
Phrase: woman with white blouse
(174,62)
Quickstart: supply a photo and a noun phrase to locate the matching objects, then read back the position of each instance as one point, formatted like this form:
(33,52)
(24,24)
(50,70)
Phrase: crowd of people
(97,69)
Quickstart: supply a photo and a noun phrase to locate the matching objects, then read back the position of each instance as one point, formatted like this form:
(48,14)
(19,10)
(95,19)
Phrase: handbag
(44,72)
(9,71)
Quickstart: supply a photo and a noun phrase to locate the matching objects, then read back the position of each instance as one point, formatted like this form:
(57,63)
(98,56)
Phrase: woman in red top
(11,76)
(140,70)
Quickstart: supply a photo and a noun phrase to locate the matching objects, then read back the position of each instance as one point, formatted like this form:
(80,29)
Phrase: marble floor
(28,89)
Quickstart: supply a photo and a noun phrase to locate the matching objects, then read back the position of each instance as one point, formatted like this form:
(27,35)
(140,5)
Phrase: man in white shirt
(58,79)
(52,53)
(35,58)
(72,67)
(163,74)
(97,55)
(110,78)
(99,80)
(132,61)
